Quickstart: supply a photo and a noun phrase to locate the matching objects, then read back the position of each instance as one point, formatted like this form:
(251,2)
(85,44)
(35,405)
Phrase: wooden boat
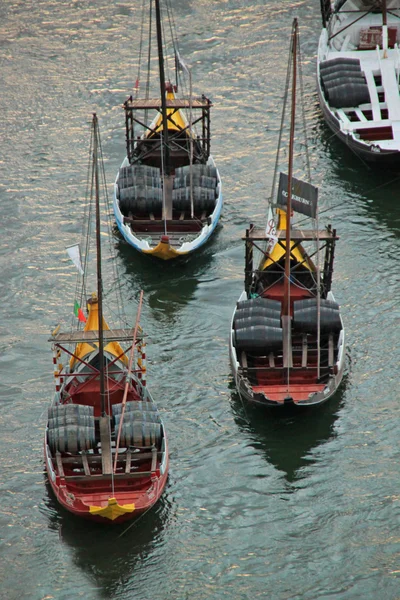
(358,76)
(105,445)
(168,191)
(287,337)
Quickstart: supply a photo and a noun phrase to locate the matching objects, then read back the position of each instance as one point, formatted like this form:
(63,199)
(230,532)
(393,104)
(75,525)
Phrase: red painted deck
(276,292)
(296,391)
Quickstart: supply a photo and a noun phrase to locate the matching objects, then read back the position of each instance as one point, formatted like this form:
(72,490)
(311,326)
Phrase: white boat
(168,191)
(358,76)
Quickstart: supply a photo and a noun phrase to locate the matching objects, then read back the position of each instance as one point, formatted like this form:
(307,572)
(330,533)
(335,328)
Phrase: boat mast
(162,87)
(384,28)
(286,302)
(99,278)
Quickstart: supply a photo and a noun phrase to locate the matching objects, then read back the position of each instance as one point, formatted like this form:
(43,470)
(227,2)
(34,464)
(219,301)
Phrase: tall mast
(384,29)
(162,86)
(98,249)
(286,303)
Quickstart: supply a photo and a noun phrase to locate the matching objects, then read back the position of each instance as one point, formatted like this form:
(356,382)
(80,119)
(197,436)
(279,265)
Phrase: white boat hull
(371,129)
(141,244)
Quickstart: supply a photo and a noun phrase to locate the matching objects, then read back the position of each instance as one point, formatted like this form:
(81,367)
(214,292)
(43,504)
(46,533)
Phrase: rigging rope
(137,82)
(278,152)
(114,266)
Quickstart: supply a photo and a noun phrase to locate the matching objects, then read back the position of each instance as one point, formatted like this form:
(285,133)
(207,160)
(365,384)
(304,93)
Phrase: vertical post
(384,29)
(318,304)
(56,370)
(248,269)
(162,87)
(204,129)
(128,379)
(99,277)
(328,251)
(325,11)
(286,300)
(286,318)
(191,143)
(144,368)
(332,258)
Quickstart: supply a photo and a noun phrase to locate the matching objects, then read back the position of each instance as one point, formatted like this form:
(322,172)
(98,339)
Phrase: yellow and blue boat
(168,191)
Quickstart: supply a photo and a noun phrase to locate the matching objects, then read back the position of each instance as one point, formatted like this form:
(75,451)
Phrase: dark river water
(256,507)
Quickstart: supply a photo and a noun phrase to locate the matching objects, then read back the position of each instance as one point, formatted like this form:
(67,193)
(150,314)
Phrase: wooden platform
(76,337)
(155,103)
(257,234)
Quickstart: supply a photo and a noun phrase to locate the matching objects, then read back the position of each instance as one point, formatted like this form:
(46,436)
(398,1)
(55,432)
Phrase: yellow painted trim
(177,116)
(113,510)
(164,251)
(92,324)
(279,251)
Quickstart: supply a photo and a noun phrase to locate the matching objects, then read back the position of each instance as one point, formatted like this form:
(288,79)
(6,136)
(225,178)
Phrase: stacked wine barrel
(141,426)
(257,326)
(139,190)
(204,182)
(343,83)
(71,428)
(305,316)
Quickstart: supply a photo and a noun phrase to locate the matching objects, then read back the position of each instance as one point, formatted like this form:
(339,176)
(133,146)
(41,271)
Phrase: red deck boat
(105,445)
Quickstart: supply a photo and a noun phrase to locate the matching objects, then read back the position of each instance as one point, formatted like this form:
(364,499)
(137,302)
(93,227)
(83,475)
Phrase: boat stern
(112,510)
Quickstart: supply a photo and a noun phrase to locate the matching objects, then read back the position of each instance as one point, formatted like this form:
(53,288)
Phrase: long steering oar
(128,378)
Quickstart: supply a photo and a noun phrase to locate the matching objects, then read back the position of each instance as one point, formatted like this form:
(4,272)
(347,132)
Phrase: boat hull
(280,397)
(106,506)
(163,249)
(362,128)
(371,153)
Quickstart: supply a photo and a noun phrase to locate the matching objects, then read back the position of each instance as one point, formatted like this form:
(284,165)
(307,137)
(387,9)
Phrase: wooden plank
(85,463)
(128,461)
(106,460)
(391,87)
(157,225)
(167,208)
(258,234)
(112,335)
(360,125)
(304,348)
(153,459)
(373,94)
(134,475)
(342,115)
(271,360)
(330,351)
(361,115)
(95,459)
(287,342)
(155,103)
(59,464)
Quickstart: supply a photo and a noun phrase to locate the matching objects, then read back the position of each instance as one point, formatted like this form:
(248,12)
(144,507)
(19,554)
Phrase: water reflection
(167,285)
(288,441)
(109,555)
(376,190)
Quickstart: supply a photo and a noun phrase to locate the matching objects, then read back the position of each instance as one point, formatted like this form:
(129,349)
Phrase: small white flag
(74,252)
(180,62)
(270,231)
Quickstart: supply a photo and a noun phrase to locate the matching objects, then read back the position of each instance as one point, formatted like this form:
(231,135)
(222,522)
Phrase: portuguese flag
(79,313)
